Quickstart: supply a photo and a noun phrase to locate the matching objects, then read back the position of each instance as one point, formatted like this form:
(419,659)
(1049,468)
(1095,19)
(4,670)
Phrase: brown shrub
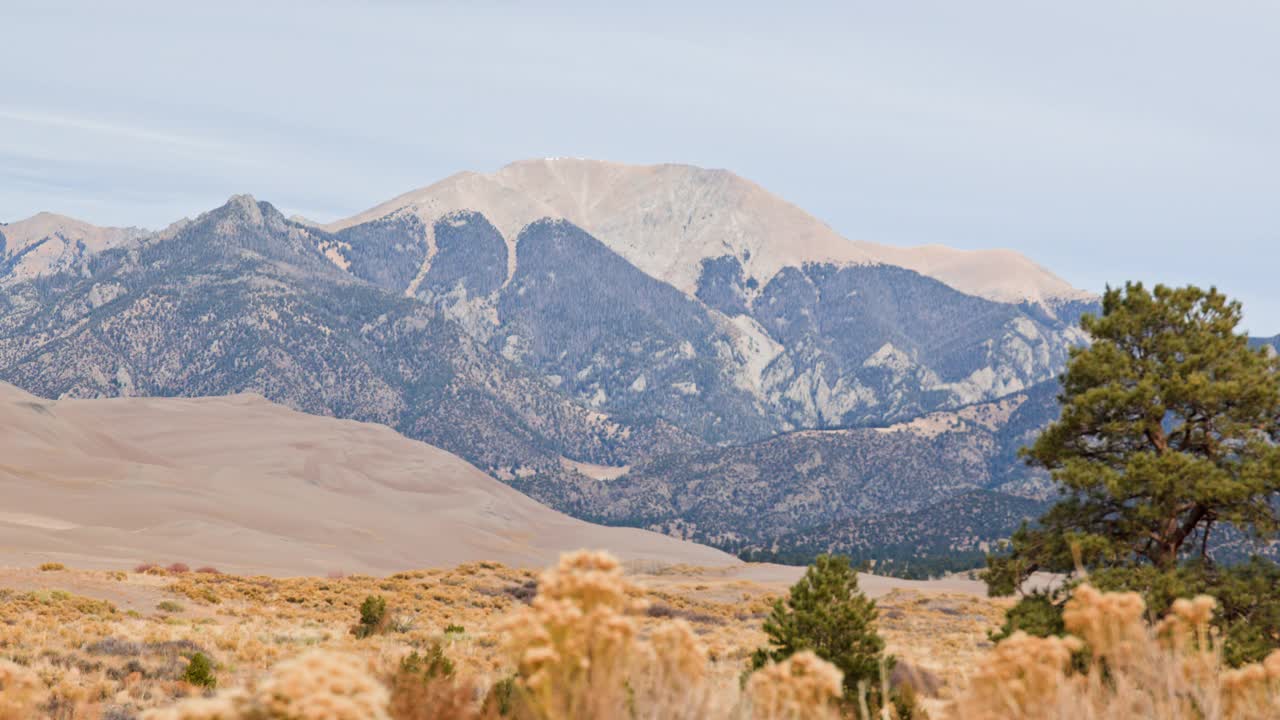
(21,692)
(802,687)
(414,697)
(317,685)
(921,681)
(663,610)
(1172,671)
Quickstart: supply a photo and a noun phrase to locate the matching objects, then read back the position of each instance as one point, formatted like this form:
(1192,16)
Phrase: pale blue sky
(1107,140)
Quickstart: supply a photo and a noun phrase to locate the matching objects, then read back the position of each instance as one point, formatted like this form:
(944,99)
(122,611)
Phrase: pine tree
(826,612)
(1169,428)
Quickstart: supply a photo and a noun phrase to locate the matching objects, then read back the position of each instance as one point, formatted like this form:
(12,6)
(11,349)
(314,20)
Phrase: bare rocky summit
(666,219)
(46,243)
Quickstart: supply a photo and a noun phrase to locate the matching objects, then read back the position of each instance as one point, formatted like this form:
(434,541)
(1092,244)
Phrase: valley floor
(115,641)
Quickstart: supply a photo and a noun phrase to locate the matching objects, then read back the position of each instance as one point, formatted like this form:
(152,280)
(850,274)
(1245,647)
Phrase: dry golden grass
(581,640)
(20,690)
(802,687)
(1172,671)
(91,655)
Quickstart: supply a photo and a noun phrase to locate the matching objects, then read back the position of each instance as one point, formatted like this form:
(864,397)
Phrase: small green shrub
(1035,614)
(199,671)
(373,613)
(452,629)
(169,606)
(502,698)
(432,663)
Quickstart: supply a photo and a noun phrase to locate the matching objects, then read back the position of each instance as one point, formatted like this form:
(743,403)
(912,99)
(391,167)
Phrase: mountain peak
(45,224)
(48,242)
(667,219)
(246,206)
(243,210)
(44,217)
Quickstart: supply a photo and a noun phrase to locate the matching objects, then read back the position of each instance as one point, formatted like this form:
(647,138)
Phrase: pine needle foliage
(373,614)
(199,671)
(1170,432)
(827,614)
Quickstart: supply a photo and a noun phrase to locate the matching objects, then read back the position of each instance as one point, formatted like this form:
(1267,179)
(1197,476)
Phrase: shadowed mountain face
(620,340)
(470,256)
(745,411)
(386,252)
(819,346)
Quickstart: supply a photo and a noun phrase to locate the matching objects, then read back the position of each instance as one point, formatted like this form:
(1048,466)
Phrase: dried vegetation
(483,641)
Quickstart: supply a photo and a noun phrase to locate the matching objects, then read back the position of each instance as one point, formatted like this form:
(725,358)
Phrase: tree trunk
(1175,535)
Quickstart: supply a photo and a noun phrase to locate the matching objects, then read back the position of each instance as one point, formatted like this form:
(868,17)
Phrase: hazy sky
(1107,140)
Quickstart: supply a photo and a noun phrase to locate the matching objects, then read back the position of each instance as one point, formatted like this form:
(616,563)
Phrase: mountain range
(662,346)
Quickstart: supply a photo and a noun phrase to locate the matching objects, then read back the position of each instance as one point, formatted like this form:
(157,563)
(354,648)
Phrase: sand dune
(249,486)
(252,487)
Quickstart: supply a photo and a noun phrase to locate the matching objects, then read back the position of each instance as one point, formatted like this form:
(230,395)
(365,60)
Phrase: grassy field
(582,640)
(118,642)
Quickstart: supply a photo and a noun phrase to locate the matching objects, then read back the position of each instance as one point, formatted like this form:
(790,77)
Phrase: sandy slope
(665,219)
(252,487)
(724,583)
(249,486)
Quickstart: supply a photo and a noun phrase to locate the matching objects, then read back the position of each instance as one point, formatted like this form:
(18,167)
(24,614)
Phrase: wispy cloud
(99,127)
(1104,150)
